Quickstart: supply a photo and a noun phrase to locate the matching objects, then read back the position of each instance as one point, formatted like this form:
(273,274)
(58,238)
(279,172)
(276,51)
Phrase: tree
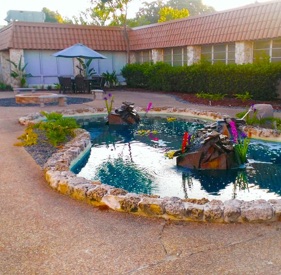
(195,7)
(55,17)
(113,13)
(109,12)
(94,16)
(168,13)
(149,13)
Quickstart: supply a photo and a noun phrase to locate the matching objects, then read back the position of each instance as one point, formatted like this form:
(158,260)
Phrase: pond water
(133,158)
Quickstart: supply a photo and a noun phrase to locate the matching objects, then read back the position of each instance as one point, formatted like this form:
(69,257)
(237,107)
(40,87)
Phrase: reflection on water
(123,158)
(241,182)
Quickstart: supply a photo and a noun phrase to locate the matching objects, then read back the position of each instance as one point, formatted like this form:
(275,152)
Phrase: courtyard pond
(133,157)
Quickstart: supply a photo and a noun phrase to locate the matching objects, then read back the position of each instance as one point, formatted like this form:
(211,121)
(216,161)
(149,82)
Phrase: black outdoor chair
(65,84)
(80,85)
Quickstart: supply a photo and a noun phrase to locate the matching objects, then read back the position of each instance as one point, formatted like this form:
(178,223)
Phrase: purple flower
(243,135)
(233,131)
(189,139)
(149,106)
(109,95)
(105,98)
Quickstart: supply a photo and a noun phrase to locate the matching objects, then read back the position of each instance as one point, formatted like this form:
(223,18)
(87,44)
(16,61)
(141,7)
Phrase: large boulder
(261,111)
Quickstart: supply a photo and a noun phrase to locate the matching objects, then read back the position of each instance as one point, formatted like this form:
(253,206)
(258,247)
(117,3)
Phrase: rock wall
(59,177)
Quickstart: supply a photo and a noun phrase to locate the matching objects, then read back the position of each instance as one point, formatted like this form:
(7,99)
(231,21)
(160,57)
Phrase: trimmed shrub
(259,80)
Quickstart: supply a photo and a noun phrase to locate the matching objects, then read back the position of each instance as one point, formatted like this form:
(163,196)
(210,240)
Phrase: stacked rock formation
(213,148)
(126,114)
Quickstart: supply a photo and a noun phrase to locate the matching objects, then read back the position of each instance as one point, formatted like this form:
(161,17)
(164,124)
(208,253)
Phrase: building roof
(54,36)
(251,22)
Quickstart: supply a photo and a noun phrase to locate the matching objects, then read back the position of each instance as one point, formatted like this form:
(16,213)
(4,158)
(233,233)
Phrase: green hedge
(260,80)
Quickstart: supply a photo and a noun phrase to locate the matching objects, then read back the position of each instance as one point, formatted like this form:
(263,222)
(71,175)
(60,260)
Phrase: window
(276,50)
(261,50)
(207,53)
(175,56)
(230,53)
(267,49)
(218,53)
(143,56)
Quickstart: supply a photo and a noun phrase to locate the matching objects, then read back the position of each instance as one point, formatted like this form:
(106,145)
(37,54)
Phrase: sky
(74,7)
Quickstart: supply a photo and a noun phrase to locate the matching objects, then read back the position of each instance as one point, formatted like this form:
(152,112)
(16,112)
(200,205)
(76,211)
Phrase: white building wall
(5,67)
(45,68)
(193,54)
(157,55)
(14,55)
(243,52)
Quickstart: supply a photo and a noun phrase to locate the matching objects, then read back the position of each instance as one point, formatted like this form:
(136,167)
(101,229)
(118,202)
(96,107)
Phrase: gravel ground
(41,151)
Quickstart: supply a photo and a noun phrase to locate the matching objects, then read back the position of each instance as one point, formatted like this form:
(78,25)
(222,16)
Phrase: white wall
(45,68)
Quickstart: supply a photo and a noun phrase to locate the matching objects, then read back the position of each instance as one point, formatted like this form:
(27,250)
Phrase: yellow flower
(171,119)
(170,154)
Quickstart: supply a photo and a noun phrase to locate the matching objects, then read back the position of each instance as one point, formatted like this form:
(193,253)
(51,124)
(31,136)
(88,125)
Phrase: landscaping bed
(227,102)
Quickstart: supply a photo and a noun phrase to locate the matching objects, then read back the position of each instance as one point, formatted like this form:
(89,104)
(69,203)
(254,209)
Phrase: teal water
(133,158)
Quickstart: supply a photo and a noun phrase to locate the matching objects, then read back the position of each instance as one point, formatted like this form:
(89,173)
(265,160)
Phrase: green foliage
(241,149)
(84,67)
(105,12)
(57,86)
(109,104)
(52,16)
(149,13)
(244,97)
(56,128)
(195,7)
(254,120)
(135,75)
(168,13)
(260,81)
(111,78)
(18,72)
(208,96)
(5,87)
(114,12)
(28,138)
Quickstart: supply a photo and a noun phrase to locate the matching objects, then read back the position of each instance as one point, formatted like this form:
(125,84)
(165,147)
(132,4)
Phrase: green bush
(135,75)
(209,96)
(56,128)
(5,87)
(244,97)
(260,80)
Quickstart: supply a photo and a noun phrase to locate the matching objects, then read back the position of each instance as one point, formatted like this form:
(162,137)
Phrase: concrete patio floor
(44,232)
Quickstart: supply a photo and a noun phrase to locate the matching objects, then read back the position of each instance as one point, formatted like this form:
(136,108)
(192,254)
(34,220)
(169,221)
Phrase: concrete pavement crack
(168,257)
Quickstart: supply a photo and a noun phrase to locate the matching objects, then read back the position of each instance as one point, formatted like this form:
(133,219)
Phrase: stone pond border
(59,177)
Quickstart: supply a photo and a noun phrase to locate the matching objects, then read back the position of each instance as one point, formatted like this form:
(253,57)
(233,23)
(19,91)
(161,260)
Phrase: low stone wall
(40,98)
(95,193)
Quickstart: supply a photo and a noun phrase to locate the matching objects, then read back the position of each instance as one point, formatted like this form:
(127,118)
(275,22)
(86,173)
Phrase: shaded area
(11,102)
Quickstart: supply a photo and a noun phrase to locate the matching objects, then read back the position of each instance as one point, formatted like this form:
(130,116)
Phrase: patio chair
(79,84)
(65,84)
